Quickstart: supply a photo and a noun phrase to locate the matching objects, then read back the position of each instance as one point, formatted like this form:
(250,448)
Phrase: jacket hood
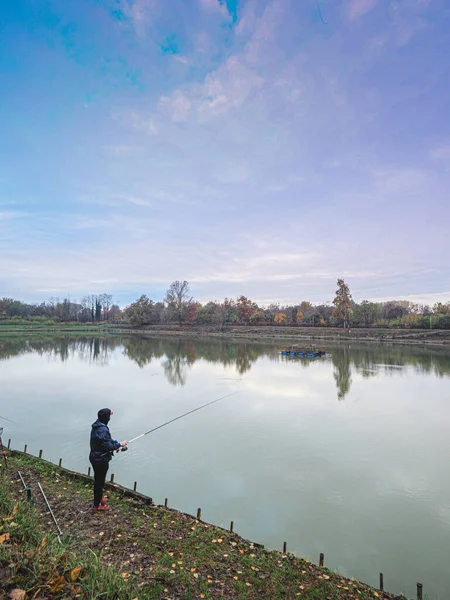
(98,423)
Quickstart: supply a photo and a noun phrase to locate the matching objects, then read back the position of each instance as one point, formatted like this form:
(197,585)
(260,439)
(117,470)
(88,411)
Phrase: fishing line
(173,420)
(9,420)
(183,415)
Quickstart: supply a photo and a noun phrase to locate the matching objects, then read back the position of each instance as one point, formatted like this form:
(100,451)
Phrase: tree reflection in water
(177,355)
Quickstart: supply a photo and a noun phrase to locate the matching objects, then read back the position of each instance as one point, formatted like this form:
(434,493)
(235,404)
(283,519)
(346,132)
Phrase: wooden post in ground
(40,453)
(60,462)
(166,502)
(112,477)
(419,591)
(199,513)
(231,526)
(9,444)
(321,559)
(284,547)
(25,449)
(89,471)
(135,486)
(381,583)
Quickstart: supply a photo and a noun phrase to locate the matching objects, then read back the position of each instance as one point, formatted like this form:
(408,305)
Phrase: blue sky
(242,145)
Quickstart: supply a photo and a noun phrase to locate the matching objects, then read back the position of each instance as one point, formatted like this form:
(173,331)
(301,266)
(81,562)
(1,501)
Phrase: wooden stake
(165,502)
(232,526)
(284,547)
(419,591)
(112,477)
(381,583)
(25,449)
(60,462)
(40,453)
(89,471)
(321,559)
(9,444)
(199,513)
(135,486)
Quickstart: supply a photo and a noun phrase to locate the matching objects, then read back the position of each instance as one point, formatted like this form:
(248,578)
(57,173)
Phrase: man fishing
(102,451)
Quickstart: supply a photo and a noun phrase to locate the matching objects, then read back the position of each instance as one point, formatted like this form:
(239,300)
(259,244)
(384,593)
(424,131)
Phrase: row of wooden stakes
(231,529)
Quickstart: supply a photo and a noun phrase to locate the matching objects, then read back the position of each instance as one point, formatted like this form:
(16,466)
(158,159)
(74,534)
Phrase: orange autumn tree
(299,317)
(280,318)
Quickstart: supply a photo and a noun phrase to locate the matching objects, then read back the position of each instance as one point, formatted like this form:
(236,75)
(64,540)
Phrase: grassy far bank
(138,551)
(279,333)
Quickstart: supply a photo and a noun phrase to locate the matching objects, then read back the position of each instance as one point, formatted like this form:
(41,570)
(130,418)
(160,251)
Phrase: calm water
(346,454)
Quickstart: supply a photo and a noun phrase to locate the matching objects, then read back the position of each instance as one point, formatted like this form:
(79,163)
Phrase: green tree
(140,312)
(342,302)
(366,313)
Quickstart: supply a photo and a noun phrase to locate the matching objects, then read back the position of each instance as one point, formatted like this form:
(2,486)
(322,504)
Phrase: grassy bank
(275,333)
(138,551)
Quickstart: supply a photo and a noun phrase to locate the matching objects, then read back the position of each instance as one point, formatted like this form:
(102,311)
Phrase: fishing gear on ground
(2,448)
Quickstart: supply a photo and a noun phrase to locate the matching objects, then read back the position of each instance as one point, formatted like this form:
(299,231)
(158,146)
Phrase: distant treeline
(179,307)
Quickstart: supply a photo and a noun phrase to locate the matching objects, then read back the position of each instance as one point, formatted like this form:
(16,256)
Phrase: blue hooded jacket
(102,444)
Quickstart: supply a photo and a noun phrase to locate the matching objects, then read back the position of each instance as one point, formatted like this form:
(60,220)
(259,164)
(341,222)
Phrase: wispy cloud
(357,8)
(243,147)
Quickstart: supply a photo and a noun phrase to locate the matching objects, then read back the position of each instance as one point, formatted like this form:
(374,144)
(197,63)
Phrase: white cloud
(139,12)
(357,8)
(214,6)
(223,90)
(440,153)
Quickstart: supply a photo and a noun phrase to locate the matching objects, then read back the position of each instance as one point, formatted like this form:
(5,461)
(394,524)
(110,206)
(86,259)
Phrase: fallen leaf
(4,537)
(57,584)
(101,533)
(75,573)
(196,575)
(17,594)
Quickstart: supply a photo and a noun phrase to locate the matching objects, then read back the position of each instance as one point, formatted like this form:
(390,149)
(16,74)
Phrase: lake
(345,454)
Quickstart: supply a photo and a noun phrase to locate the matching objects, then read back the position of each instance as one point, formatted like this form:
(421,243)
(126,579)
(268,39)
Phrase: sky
(256,147)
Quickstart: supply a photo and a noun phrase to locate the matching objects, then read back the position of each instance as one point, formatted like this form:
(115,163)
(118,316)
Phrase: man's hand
(123,444)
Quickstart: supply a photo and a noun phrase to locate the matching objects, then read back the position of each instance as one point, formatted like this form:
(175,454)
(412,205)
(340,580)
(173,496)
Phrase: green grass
(34,561)
(141,551)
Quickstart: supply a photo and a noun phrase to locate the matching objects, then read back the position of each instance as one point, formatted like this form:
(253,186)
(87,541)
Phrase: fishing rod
(177,418)
(51,512)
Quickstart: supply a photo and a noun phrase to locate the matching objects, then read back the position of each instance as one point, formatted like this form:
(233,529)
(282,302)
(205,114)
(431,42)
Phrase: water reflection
(342,371)
(177,356)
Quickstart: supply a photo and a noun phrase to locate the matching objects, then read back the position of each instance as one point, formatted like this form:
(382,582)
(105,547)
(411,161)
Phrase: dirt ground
(170,555)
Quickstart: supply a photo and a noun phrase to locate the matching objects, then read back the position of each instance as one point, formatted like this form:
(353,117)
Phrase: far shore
(274,333)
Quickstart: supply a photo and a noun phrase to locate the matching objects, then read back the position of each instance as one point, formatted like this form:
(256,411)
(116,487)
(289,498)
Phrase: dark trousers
(100,470)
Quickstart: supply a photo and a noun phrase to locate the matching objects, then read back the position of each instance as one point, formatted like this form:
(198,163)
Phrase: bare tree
(178,299)
(106,303)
